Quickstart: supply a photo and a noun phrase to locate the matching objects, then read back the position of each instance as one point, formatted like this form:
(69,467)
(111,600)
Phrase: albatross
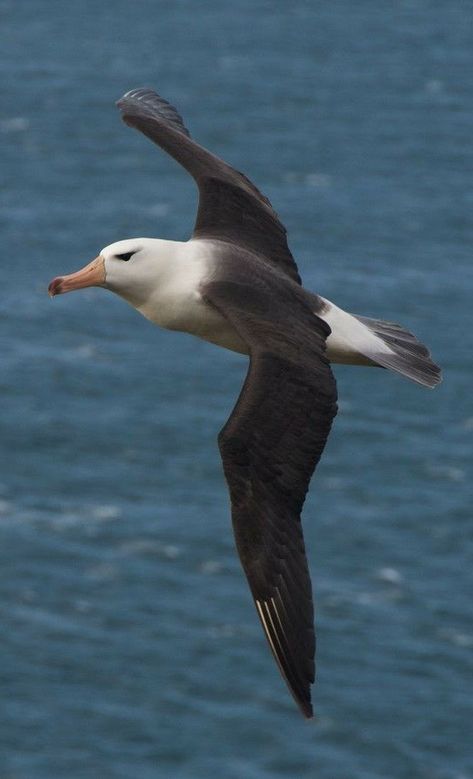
(236,284)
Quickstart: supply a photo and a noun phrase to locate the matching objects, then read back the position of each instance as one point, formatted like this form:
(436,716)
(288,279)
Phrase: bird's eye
(125,256)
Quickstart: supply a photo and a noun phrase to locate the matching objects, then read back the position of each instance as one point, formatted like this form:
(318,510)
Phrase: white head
(132,268)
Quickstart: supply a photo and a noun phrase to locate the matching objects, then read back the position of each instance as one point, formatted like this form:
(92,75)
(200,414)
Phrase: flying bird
(235,283)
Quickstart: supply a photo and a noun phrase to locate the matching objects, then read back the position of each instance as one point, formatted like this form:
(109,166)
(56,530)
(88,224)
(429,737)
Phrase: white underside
(166,291)
(176,302)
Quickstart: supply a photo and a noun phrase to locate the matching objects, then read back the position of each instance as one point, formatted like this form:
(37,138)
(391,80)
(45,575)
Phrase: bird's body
(173,299)
(236,285)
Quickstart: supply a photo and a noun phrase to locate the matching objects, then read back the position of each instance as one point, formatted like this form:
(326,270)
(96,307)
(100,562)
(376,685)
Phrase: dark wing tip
(307,710)
(147,104)
(294,658)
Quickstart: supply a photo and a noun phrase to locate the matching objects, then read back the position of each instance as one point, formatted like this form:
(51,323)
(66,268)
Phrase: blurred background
(130,645)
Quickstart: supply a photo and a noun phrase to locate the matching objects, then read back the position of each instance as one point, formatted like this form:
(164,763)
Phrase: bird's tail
(402,352)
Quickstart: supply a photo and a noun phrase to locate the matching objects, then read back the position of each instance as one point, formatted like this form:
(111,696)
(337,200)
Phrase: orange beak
(93,275)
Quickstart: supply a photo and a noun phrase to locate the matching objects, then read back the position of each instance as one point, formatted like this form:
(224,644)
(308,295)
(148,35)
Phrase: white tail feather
(357,340)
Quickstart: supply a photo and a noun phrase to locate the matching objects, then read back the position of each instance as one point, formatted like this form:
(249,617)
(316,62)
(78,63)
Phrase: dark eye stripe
(125,256)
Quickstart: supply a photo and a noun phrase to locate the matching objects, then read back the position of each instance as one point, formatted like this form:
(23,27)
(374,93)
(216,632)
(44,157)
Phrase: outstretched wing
(270,446)
(231,208)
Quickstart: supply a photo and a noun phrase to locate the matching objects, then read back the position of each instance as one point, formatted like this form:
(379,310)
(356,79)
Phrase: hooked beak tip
(54,287)
(93,275)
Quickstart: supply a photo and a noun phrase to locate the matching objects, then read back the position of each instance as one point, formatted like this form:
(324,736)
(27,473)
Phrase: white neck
(162,279)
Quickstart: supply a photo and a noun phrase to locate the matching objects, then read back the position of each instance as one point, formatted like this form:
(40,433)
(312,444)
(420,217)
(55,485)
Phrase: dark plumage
(278,429)
(235,284)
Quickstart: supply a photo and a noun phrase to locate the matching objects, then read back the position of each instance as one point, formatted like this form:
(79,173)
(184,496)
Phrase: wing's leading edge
(230,208)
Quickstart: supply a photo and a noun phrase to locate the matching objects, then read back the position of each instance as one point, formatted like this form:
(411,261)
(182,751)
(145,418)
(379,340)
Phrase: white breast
(176,303)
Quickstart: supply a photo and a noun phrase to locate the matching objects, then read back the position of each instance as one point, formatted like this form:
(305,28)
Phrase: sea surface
(130,647)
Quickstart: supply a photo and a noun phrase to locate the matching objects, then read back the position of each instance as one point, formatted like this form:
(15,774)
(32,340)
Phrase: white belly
(167,292)
(175,302)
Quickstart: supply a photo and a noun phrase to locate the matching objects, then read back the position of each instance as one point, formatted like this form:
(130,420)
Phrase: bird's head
(131,268)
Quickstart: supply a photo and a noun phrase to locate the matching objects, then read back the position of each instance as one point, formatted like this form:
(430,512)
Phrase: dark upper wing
(270,447)
(231,208)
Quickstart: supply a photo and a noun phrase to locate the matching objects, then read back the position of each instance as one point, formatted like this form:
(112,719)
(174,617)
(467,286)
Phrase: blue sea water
(130,645)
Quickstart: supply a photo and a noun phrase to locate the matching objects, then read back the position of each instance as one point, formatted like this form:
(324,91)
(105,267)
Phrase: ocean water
(130,645)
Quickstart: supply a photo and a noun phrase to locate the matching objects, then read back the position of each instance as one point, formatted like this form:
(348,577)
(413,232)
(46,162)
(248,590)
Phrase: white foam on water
(210,567)
(390,575)
(106,512)
(14,124)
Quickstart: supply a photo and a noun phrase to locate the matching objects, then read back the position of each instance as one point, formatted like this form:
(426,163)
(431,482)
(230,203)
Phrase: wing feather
(230,208)
(270,447)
